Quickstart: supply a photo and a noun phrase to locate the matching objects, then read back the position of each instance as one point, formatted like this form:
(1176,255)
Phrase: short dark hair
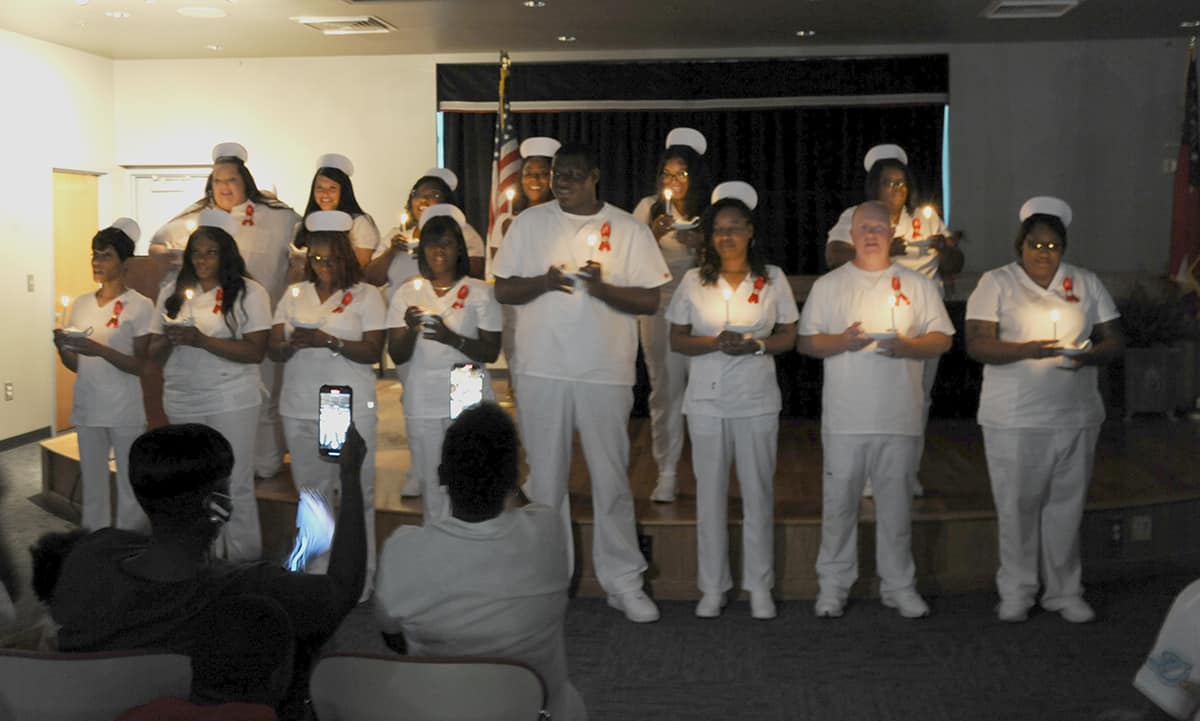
(436,228)
(48,554)
(172,469)
(245,653)
(116,239)
(1052,222)
(871,187)
(479,460)
(578,151)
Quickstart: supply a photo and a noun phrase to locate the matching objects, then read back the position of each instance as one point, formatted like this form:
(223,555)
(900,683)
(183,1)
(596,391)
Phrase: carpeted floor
(959,665)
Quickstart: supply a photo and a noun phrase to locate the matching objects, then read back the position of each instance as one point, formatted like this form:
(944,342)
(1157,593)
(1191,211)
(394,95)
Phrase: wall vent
(349,25)
(1028,9)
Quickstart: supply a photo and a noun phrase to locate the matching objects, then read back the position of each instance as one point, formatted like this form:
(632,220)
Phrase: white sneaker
(710,605)
(412,486)
(636,606)
(1073,609)
(908,602)
(762,606)
(664,490)
(1013,611)
(829,607)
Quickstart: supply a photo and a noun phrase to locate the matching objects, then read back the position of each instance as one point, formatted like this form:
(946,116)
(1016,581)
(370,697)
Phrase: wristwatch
(762,347)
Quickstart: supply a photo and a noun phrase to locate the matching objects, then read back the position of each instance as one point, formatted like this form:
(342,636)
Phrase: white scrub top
(722,385)
(678,256)
(345,314)
(573,336)
(105,395)
(196,382)
(865,392)
(264,235)
(1037,393)
(1170,677)
(916,258)
(467,308)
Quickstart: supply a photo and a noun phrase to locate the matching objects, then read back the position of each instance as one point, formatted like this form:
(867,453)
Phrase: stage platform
(1141,512)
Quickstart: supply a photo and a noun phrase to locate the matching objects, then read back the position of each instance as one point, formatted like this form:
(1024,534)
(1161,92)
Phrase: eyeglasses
(668,177)
(1050,246)
(322,259)
(895,184)
(434,195)
(205,254)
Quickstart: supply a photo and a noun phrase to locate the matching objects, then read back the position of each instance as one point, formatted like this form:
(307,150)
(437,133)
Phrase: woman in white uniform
(210,334)
(329,330)
(332,189)
(536,155)
(730,317)
(672,213)
(920,242)
(1041,413)
(438,319)
(107,409)
(395,259)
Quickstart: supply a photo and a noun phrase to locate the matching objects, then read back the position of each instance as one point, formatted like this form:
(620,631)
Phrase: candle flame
(191,225)
(1054,316)
(189,293)
(403,219)
(510,194)
(295,292)
(592,240)
(892,300)
(928,211)
(417,284)
(667,194)
(727,294)
(66,301)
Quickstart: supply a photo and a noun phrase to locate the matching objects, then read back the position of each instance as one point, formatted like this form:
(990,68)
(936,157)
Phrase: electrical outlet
(29,285)
(8,391)
(1140,528)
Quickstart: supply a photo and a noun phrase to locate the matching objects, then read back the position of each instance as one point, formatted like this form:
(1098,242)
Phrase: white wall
(62,120)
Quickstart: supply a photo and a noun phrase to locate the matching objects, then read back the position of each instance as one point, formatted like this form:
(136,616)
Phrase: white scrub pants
(668,381)
(269,448)
(550,411)
(94,444)
(425,437)
(310,471)
(1039,479)
(751,444)
(241,538)
(848,460)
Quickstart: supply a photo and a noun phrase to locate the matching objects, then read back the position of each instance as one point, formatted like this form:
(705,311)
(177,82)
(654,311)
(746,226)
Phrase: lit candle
(727,294)
(417,285)
(927,212)
(1054,324)
(189,294)
(892,307)
(62,313)
(510,193)
(403,221)
(592,240)
(295,291)
(191,225)
(670,208)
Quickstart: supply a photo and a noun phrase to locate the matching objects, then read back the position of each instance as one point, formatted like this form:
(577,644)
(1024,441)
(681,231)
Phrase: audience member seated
(1170,677)
(123,590)
(489,579)
(241,672)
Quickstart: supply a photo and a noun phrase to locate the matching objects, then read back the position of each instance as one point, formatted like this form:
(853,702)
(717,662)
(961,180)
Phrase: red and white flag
(1185,216)
(506,155)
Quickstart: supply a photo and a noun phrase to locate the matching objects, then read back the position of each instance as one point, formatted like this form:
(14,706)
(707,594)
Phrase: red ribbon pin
(117,308)
(463,292)
(249,219)
(1069,287)
(220,297)
(347,299)
(916,228)
(758,285)
(900,297)
(605,231)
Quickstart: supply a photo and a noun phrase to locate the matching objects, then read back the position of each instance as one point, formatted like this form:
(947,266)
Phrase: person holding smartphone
(329,331)
(437,320)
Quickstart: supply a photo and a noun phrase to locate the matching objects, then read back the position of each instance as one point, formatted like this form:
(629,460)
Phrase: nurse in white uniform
(263,228)
(438,319)
(332,189)
(874,323)
(210,333)
(578,340)
(1041,326)
(672,214)
(109,330)
(536,155)
(395,258)
(920,242)
(329,330)
(730,317)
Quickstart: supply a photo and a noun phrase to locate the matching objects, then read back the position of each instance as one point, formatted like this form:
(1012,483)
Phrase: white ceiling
(260,28)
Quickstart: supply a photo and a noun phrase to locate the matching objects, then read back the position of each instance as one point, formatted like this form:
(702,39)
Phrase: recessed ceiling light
(1190,24)
(201,12)
(118,14)
(566,38)
(534,3)
(215,48)
(805,33)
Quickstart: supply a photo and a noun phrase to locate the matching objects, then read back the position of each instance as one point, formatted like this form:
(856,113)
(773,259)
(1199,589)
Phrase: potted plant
(1155,320)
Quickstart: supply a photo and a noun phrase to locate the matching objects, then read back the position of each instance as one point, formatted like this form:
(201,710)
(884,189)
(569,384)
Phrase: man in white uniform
(265,227)
(578,340)
(871,406)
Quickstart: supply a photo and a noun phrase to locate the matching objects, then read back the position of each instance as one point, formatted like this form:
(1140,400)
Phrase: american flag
(1185,222)
(506,156)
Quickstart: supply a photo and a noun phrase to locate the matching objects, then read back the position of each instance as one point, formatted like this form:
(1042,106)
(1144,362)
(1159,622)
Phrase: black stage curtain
(806,163)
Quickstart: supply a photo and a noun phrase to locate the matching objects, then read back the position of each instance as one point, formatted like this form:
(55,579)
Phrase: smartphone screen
(466,387)
(333,419)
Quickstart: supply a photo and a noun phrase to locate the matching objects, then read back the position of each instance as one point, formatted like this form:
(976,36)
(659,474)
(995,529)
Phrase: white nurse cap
(229,150)
(539,147)
(129,227)
(690,137)
(333,220)
(214,218)
(1047,205)
(443,209)
(336,160)
(736,189)
(884,152)
(446,174)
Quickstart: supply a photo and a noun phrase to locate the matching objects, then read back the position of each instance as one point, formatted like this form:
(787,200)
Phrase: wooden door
(76,208)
